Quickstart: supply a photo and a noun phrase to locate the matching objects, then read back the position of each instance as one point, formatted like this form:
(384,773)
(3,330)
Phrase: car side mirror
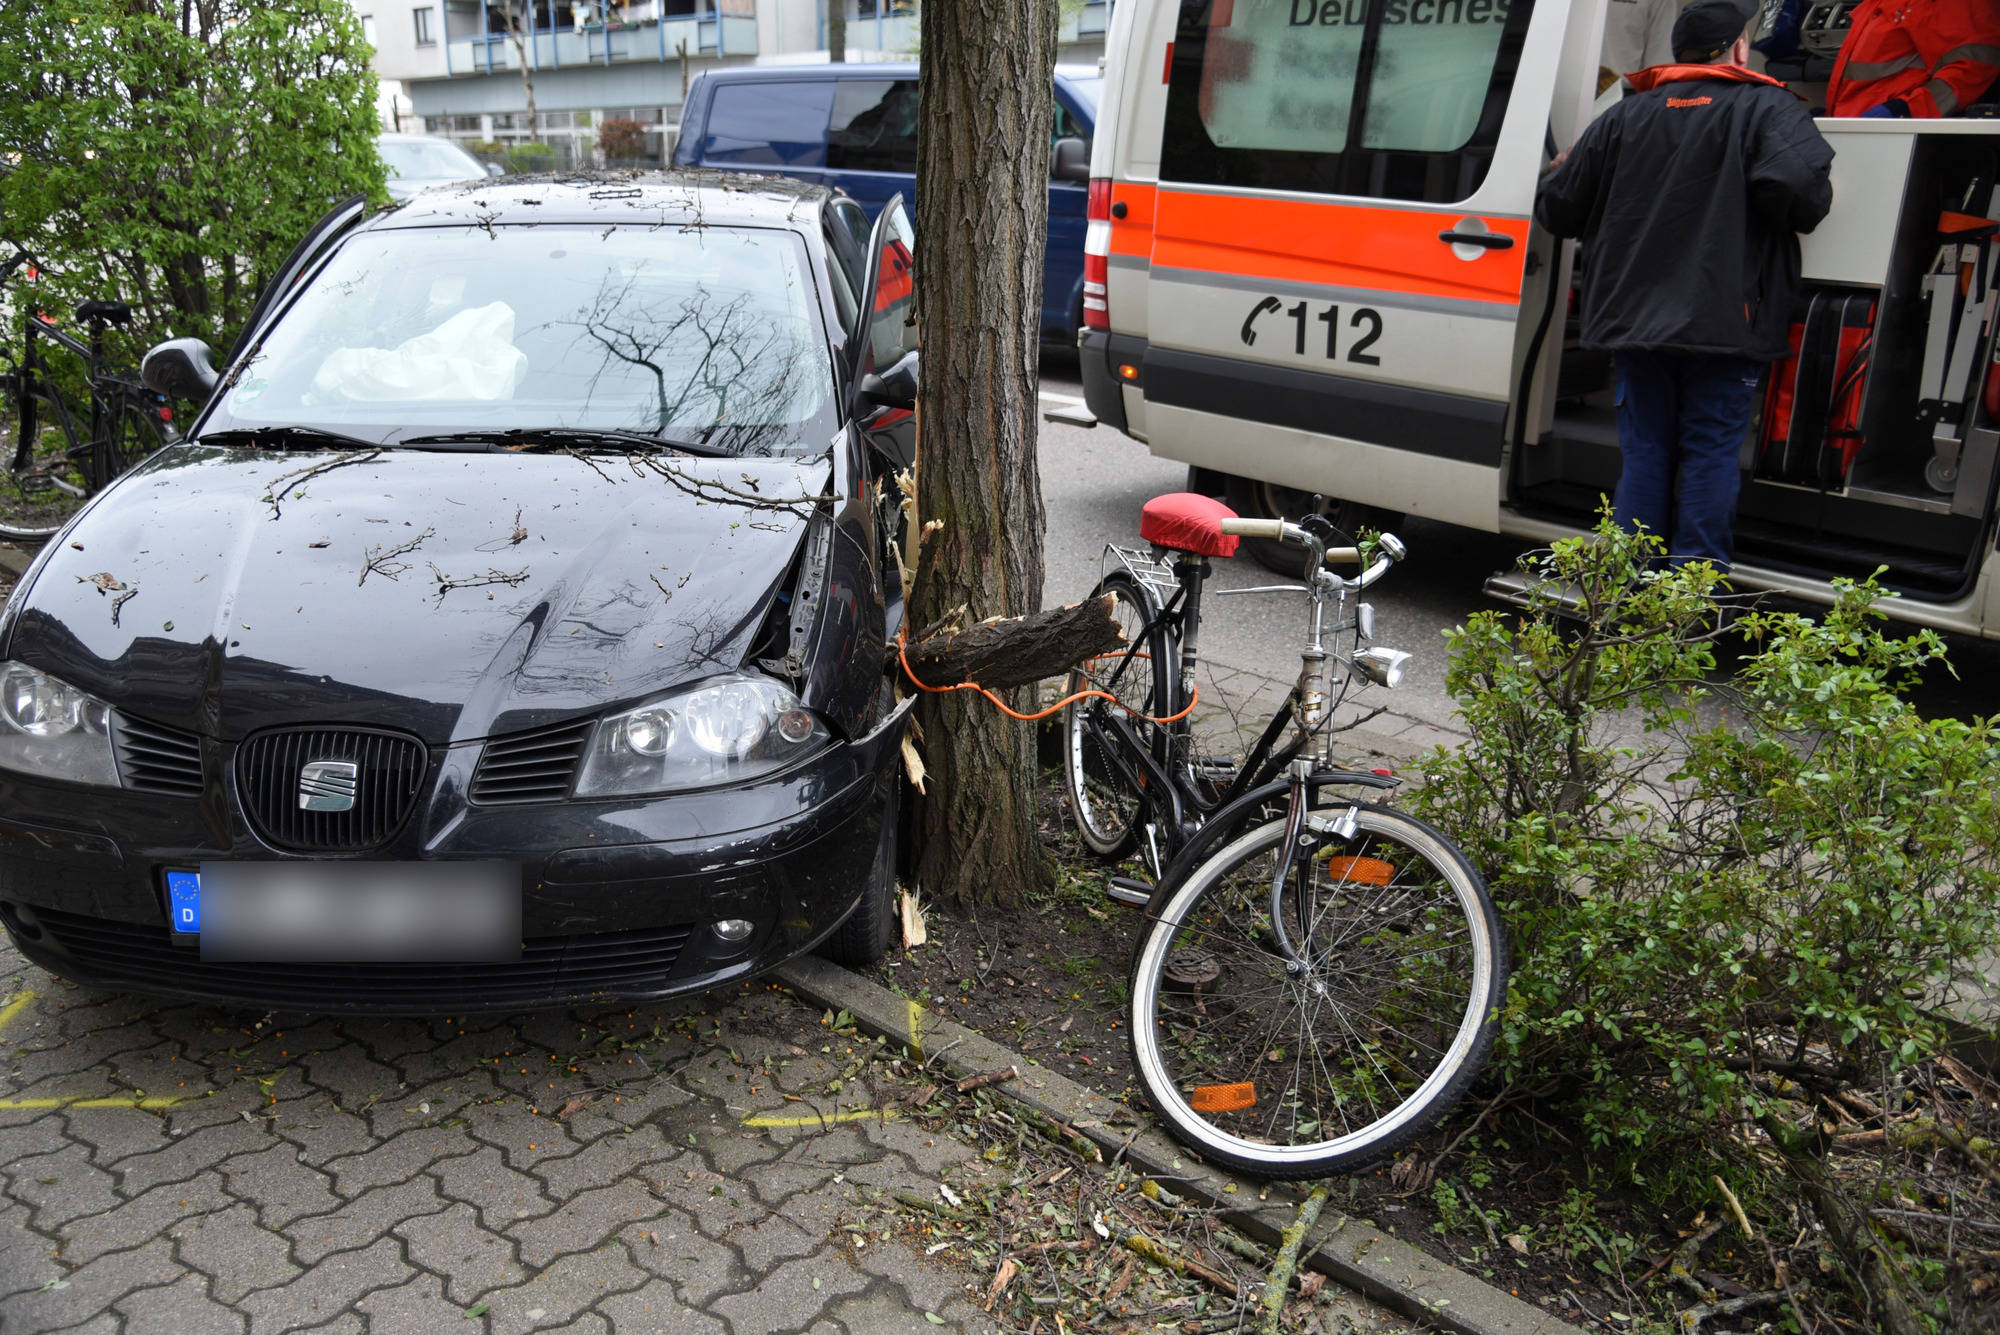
(1072,160)
(181,368)
(495,169)
(893,388)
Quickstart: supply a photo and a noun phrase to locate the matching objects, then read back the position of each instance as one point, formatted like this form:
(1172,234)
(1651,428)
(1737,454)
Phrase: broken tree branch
(1003,654)
(1287,1262)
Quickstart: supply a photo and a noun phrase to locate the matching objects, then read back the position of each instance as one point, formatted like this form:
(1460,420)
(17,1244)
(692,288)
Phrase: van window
(776,124)
(1399,99)
(874,126)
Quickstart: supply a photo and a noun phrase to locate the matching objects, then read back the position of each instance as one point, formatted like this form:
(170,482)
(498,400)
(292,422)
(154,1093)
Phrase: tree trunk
(986,94)
(836,29)
(527,63)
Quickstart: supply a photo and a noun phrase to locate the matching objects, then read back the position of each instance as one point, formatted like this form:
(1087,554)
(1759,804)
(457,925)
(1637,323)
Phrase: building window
(426,34)
(368,30)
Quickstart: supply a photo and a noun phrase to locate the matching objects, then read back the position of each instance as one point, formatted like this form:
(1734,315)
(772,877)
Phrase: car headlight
(725,730)
(51,729)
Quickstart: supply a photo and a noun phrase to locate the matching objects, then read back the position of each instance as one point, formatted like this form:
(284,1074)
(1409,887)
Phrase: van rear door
(1338,241)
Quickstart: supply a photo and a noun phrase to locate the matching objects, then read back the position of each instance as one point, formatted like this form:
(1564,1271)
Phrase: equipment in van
(1961,294)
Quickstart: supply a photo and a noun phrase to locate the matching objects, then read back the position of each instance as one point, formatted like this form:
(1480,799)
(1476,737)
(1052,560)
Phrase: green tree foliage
(171,155)
(1714,925)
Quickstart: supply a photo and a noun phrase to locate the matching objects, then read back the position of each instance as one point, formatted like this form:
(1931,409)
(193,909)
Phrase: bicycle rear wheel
(51,478)
(1303,1071)
(135,433)
(1107,807)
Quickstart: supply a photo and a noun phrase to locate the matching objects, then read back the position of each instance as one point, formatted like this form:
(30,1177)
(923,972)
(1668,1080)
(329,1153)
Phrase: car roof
(670,198)
(852,69)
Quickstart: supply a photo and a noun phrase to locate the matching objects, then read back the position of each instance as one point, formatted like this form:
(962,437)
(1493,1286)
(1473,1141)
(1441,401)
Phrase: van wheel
(1268,500)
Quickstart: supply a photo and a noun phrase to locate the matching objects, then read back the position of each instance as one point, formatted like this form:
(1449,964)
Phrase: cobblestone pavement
(182,1169)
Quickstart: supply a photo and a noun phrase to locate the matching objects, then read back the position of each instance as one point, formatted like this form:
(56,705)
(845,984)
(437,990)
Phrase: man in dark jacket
(1689,196)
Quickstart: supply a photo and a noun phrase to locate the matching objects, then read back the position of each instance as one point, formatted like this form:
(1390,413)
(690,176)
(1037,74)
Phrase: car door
(1341,224)
(775,126)
(1062,272)
(886,360)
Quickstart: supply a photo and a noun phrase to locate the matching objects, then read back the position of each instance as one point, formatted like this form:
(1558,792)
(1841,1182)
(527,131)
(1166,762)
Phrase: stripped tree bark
(1001,655)
(986,91)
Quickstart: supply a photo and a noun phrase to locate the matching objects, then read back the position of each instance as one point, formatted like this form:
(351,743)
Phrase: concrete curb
(15,560)
(1358,1255)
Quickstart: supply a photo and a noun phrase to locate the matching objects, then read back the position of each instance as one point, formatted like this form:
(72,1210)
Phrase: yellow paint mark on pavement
(122,1101)
(916,1022)
(821,1119)
(13,1008)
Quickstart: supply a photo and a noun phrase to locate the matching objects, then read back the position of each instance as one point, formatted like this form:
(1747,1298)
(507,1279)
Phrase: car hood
(453,595)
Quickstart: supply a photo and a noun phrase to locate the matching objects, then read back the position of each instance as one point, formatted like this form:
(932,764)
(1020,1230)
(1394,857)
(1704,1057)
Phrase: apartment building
(454,67)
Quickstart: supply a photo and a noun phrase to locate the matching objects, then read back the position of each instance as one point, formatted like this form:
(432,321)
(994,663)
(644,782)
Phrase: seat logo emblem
(328,785)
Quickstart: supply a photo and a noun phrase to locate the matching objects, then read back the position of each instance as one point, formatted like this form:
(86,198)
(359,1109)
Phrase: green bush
(172,155)
(525,158)
(1713,923)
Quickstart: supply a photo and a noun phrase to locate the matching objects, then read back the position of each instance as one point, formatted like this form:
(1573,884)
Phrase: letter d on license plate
(356,912)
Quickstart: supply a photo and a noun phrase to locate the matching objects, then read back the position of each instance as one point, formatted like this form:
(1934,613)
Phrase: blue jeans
(1681,422)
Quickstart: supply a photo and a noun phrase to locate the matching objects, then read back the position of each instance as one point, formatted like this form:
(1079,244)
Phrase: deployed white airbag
(471,356)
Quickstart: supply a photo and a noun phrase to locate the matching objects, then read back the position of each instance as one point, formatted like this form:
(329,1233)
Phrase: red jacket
(1935,56)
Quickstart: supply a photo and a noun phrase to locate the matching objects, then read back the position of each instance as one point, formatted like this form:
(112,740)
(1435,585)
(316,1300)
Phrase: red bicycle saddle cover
(1187,522)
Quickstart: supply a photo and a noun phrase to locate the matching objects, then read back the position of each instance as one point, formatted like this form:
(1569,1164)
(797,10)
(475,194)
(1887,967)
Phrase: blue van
(854,126)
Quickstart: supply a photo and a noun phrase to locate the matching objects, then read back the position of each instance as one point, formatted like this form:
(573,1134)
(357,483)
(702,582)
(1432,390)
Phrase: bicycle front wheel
(1108,807)
(48,476)
(134,434)
(1320,1061)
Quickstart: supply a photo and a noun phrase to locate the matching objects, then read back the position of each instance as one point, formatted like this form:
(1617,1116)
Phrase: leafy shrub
(1713,923)
(172,155)
(531,158)
(622,139)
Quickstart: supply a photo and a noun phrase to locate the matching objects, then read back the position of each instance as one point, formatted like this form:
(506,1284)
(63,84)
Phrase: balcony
(707,34)
(876,27)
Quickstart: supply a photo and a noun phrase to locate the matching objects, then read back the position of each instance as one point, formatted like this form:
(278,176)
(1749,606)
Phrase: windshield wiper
(525,438)
(281,437)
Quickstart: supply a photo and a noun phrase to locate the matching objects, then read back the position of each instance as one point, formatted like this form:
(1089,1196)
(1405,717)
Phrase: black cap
(1707,28)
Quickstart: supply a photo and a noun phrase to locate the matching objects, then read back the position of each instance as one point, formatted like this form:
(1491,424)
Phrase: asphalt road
(1094,482)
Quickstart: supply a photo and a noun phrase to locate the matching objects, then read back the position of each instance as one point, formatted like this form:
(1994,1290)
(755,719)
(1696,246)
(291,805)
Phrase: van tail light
(1096,255)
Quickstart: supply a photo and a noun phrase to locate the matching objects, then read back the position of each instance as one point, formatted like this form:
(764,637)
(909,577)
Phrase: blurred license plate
(350,912)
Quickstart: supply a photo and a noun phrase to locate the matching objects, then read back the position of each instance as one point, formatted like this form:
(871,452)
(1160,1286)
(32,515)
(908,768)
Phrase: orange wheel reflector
(1223,1098)
(1368,871)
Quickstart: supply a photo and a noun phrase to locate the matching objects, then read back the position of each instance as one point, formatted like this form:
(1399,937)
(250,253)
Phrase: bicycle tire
(134,434)
(1107,809)
(38,499)
(1224,1039)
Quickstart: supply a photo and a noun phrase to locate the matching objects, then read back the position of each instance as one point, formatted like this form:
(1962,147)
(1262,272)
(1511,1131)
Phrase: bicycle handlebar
(1390,549)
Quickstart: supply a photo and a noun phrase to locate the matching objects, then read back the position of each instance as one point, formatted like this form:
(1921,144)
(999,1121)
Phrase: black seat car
(508,628)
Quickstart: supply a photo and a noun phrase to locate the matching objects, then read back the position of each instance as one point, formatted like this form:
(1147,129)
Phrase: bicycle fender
(1229,821)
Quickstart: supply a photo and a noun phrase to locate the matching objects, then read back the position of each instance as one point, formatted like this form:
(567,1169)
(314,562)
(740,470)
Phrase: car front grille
(389,773)
(551,969)
(536,766)
(153,759)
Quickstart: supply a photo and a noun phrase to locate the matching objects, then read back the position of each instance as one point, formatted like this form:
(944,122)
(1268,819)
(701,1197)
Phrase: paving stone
(673,1248)
(929,1287)
(61,1186)
(768,1241)
(322,1131)
(185,1156)
(884,1309)
(452,1244)
(326,1289)
(523,1137)
(345,1324)
(929,1154)
(182,1308)
(138,1220)
(398,1158)
(485,1181)
(657,1307)
(26,1257)
(118,1133)
(563,1291)
(89,1290)
(24,1140)
(604,1161)
(235,1253)
(785,1299)
(279,1185)
(590,1323)
(350,1077)
(104,1324)
(419,1305)
(368,1216)
(583,1221)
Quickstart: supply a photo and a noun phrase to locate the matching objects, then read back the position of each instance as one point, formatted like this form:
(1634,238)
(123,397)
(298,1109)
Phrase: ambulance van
(1311,267)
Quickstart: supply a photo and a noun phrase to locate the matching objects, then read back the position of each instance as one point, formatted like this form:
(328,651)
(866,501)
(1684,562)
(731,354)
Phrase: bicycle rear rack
(1146,566)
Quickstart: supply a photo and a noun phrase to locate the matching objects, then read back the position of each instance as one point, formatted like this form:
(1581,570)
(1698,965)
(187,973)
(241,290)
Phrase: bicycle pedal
(1128,890)
(1215,767)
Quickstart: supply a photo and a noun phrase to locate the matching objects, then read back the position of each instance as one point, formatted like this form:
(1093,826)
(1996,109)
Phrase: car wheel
(864,938)
(1268,500)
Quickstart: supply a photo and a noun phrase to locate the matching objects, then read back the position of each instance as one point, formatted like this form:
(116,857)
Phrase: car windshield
(699,333)
(428,160)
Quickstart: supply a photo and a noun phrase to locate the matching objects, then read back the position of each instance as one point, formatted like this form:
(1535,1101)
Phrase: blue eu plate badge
(184,900)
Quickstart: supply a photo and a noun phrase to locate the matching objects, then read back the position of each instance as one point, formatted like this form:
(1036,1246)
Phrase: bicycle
(1318,978)
(56,465)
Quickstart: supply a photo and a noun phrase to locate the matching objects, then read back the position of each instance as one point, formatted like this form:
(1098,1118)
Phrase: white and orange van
(1311,268)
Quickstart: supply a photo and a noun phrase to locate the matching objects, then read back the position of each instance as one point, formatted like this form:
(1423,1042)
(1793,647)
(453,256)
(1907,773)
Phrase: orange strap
(903,657)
